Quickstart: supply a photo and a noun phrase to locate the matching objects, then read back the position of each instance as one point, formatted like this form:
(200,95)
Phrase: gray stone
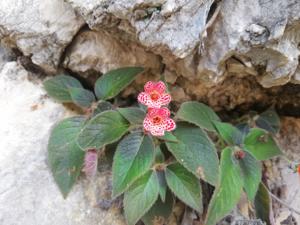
(28,194)
(38,28)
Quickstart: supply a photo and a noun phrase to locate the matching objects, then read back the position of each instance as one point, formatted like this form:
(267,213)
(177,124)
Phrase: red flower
(157,121)
(154,95)
(298,169)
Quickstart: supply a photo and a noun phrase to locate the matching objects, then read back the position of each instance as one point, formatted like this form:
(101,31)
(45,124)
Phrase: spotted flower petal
(171,125)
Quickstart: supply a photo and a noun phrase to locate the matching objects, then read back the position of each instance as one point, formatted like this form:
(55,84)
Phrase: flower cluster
(157,120)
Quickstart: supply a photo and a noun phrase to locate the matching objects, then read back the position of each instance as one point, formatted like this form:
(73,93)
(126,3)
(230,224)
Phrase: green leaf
(65,157)
(261,145)
(160,211)
(168,137)
(162,185)
(263,205)
(105,128)
(229,133)
(251,170)
(159,155)
(140,197)
(229,190)
(58,87)
(184,185)
(269,121)
(195,152)
(133,114)
(133,158)
(112,83)
(101,107)
(82,97)
(198,114)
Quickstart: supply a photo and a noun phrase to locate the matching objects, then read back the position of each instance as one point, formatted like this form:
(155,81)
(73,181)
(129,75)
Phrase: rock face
(38,28)
(28,194)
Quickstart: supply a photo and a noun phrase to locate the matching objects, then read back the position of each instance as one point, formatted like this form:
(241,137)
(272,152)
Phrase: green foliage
(112,83)
(58,87)
(229,133)
(151,171)
(196,152)
(105,128)
(133,157)
(198,114)
(184,185)
(140,197)
(82,97)
(65,157)
(263,205)
(228,191)
(133,114)
(261,144)
(269,121)
(251,170)
(160,211)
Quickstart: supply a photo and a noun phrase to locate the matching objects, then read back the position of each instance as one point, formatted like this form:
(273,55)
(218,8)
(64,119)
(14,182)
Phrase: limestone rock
(28,194)
(101,52)
(38,28)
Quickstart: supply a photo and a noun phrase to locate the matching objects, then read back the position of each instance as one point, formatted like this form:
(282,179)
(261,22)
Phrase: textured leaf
(195,152)
(184,185)
(82,97)
(140,197)
(90,163)
(112,83)
(269,120)
(162,184)
(229,190)
(159,155)
(263,205)
(251,170)
(101,107)
(58,87)
(160,211)
(133,114)
(261,145)
(105,128)
(229,133)
(168,137)
(133,158)
(65,157)
(198,114)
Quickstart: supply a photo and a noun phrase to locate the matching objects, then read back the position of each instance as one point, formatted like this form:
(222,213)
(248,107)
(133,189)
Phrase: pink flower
(90,163)
(154,95)
(157,121)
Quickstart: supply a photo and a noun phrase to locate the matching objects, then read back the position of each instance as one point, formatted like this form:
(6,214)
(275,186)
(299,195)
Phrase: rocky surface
(28,194)
(39,29)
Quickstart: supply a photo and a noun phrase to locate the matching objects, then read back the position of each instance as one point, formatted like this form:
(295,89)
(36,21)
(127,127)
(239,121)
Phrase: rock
(28,194)
(38,28)
(100,51)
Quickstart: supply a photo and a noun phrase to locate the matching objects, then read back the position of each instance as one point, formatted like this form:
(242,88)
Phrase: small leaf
(198,114)
(133,158)
(160,211)
(251,170)
(90,163)
(112,83)
(82,97)
(168,137)
(162,184)
(159,155)
(133,114)
(184,185)
(261,145)
(101,107)
(269,121)
(105,128)
(263,205)
(229,133)
(195,152)
(229,190)
(58,87)
(140,197)
(65,157)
